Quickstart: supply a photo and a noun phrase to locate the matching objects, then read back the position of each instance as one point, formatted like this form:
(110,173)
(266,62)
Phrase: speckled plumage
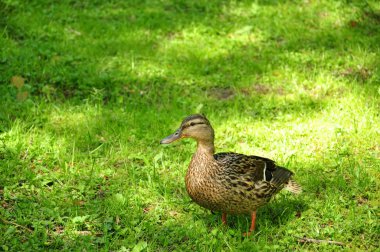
(228,182)
(233,183)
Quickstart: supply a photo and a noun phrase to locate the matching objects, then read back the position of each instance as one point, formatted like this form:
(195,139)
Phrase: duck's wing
(253,169)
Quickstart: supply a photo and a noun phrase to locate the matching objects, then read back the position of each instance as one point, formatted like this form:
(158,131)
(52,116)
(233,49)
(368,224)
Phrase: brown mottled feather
(230,182)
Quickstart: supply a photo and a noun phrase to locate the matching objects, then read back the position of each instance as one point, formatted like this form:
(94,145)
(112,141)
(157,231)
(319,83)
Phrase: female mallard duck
(229,182)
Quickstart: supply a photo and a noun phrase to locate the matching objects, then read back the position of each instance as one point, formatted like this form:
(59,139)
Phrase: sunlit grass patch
(102,82)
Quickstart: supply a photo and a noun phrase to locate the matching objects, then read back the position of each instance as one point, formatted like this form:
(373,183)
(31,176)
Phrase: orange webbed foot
(252,228)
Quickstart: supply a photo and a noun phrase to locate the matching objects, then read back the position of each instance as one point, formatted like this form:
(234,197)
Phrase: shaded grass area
(88,89)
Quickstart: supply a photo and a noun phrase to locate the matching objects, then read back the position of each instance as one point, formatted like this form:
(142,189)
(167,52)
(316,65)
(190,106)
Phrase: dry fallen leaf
(148,209)
(4,204)
(17,81)
(59,229)
(79,202)
(298,214)
(84,232)
(21,96)
(173,213)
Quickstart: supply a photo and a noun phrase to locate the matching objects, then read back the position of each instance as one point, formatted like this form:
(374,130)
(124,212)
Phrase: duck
(228,182)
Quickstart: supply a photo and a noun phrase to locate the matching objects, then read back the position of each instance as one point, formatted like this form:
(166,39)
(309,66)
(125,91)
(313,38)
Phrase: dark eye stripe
(191,124)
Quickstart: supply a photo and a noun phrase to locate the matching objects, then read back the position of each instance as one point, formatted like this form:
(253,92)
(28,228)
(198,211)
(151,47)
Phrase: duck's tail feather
(282,177)
(293,187)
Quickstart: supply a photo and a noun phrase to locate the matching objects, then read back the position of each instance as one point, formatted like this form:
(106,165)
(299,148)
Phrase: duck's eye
(192,123)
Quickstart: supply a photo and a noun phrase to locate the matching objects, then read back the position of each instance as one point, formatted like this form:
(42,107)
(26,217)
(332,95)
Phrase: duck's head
(194,126)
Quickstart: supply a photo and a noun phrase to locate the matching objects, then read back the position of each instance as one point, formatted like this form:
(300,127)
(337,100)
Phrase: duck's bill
(173,137)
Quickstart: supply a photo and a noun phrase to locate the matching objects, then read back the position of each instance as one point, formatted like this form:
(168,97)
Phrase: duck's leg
(224,218)
(253,221)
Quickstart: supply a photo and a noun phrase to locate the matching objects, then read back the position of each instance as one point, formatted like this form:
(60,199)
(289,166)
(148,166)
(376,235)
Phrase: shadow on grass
(277,212)
(77,75)
(242,66)
(92,46)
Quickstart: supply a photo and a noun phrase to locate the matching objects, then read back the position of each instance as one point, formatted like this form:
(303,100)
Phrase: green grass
(103,82)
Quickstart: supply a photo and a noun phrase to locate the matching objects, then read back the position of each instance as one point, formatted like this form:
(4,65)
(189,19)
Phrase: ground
(89,88)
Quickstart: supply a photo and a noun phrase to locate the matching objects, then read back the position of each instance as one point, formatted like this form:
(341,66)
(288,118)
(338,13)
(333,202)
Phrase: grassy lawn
(89,88)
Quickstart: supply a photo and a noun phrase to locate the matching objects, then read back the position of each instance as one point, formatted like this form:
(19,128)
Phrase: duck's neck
(200,162)
(205,148)
(201,170)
